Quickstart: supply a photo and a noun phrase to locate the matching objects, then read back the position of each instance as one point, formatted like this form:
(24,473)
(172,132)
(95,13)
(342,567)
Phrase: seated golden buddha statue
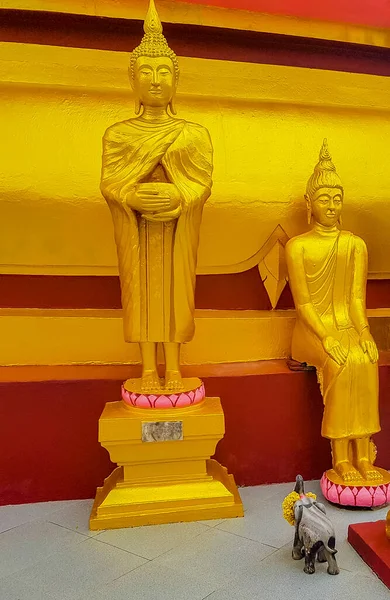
(327,270)
(156,177)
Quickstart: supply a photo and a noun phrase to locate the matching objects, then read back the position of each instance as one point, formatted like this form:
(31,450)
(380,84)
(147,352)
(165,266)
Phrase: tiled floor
(47,552)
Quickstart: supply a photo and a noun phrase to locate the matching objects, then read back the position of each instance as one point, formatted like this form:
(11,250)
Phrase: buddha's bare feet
(347,472)
(150,381)
(368,471)
(173,381)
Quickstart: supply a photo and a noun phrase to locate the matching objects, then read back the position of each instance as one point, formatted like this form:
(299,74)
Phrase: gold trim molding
(80,337)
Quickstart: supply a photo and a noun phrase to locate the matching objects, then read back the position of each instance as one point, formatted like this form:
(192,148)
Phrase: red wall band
(83,31)
(237,291)
(265,441)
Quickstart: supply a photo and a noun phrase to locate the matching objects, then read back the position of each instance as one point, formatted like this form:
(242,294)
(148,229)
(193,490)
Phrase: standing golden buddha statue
(156,177)
(327,270)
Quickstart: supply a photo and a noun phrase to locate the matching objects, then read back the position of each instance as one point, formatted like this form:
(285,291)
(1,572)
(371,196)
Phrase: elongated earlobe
(137,106)
(172,107)
(308,210)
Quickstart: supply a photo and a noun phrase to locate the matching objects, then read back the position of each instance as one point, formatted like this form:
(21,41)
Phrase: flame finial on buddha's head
(324,175)
(154,43)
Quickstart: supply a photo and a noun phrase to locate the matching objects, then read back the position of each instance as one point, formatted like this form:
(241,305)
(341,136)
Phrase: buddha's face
(326,206)
(154,81)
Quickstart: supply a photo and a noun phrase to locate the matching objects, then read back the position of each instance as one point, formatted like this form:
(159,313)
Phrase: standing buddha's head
(154,70)
(324,191)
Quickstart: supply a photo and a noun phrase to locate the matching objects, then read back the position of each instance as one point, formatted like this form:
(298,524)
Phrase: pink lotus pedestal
(364,495)
(193,393)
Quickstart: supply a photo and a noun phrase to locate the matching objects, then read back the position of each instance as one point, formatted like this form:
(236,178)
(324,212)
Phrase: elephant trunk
(299,485)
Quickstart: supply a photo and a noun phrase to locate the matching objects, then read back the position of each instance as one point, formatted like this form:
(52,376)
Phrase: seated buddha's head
(324,192)
(154,70)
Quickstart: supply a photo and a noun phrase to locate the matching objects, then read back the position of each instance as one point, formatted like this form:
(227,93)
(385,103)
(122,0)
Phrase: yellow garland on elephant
(289,503)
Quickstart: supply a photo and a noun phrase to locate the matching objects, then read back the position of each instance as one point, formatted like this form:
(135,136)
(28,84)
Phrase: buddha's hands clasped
(368,345)
(174,208)
(335,349)
(145,198)
(156,201)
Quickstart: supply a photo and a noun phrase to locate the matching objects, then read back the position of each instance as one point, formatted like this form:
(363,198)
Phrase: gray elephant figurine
(314,533)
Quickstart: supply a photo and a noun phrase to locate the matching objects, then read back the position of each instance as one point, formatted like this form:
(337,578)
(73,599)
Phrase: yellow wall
(267,124)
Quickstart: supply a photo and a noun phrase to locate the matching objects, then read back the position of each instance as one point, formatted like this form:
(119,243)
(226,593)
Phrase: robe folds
(350,391)
(157,261)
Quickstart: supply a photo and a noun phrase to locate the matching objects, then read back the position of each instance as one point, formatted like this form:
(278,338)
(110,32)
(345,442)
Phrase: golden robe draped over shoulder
(350,391)
(132,151)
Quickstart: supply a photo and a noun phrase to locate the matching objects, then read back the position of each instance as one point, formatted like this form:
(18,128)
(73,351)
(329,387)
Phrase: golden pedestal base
(165,474)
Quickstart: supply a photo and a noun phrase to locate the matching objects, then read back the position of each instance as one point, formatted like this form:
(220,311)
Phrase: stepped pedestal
(164,472)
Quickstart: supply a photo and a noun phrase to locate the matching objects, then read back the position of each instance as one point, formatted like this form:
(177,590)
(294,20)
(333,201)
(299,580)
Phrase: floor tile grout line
(148,561)
(27,522)
(358,572)
(43,558)
(85,535)
(236,578)
(58,551)
(15,527)
(208,529)
(123,549)
(166,551)
(208,595)
(42,520)
(252,540)
(352,571)
(211,520)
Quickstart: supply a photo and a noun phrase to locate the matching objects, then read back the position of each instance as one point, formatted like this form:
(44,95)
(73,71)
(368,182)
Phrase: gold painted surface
(56,102)
(327,269)
(174,11)
(156,177)
(214,498)
(272,266)
(221,337)
(21,373)
(163,482)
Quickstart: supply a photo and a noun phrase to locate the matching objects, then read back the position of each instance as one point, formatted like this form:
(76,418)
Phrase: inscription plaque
(162,431)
